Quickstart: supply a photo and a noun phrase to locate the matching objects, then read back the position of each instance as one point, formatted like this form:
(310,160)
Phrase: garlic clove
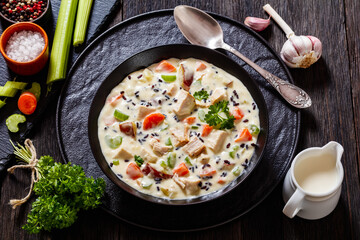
(317,45)
(301,51)
(257,24)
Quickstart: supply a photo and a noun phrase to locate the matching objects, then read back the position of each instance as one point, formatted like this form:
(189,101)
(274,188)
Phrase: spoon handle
(291,93)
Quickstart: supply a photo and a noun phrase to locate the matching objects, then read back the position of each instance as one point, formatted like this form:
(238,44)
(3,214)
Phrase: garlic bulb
(257,24)
(301,51)
(298,51)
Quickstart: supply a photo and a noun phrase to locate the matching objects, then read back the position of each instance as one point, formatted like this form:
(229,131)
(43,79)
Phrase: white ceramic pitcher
(312,185)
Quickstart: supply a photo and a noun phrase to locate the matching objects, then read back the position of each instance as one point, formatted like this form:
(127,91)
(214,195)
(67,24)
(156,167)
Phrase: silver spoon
(201,29)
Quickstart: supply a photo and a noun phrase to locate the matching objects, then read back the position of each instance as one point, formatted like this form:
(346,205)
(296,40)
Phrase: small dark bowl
(153,55)
(44,19)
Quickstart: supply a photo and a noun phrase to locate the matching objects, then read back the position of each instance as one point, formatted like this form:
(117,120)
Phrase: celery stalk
(62,41)
(82,19)
(2,103)
(10,88)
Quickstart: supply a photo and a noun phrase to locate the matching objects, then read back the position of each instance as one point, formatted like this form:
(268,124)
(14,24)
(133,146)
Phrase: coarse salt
(24,46)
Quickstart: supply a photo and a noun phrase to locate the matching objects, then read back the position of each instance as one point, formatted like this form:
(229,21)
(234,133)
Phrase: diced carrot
(113,100)
(181,169)
(165,66)
(153,120)
(237,113)
(190,120)
(134,171)
(245,135)
(206,130)
(27,103)
(200,66)
(221,180)
(207,172)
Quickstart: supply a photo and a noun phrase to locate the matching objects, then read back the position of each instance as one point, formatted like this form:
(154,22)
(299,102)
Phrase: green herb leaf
(200,95)
(139,161)
(215,117)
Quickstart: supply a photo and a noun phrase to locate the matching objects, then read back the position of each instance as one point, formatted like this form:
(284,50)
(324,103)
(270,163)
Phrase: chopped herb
(139,161)
(215,116)
(200,95)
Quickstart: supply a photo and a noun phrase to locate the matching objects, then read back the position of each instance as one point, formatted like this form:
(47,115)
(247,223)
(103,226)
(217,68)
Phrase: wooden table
(334,86)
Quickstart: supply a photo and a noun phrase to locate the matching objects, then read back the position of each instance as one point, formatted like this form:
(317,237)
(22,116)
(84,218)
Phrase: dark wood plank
(334,88)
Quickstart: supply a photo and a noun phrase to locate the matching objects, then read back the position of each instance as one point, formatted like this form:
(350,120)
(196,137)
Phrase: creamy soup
(179,129)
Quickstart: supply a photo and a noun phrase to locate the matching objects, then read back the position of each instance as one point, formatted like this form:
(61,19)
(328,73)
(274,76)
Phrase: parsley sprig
(200,95)
(215,116)
(62,191)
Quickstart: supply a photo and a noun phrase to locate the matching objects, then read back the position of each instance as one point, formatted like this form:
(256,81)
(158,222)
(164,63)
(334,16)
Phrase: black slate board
(154,29)
(102,11)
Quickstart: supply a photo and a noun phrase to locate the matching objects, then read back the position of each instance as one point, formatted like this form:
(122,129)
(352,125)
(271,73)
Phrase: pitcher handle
(293,205)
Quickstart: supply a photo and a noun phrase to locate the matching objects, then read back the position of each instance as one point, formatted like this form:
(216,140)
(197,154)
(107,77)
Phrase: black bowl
(145,59)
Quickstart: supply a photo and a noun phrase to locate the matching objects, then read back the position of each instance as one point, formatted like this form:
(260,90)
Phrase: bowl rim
(32,21)
(9,29)
(184,201)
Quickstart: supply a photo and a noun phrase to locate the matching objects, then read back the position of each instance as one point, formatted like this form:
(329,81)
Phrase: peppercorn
(22,10)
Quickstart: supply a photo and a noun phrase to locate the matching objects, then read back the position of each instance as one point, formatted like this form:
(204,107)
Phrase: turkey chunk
(159,148)
(122,153)
(194,147)
(203,158)
(172,89)
(189,184)
(185,103)
(218,95)
(143,111)
(147,156)
(181,136)
(216,140)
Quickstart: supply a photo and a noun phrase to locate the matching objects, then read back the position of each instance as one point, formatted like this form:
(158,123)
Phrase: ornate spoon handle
(291,93)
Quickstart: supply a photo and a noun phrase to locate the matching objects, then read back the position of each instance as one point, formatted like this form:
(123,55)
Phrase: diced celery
(254,130)
(120,116)
(146,184)
(234,150)
(187,160)
(62,41)
(194,127)
(113,142)
(168,142)
(35,89)
(171,160)
(116,162)
(82,19)
(13,120)
(2,103)
(163,164)
(168,78)
(236,171)
(10,88)
(201,115)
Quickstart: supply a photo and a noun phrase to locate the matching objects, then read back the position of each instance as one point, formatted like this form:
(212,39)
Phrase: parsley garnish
(139,161)
(62,191)
(215,116)
(200,95)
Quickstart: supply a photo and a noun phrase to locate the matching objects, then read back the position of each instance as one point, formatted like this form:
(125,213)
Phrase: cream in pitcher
(312,186)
